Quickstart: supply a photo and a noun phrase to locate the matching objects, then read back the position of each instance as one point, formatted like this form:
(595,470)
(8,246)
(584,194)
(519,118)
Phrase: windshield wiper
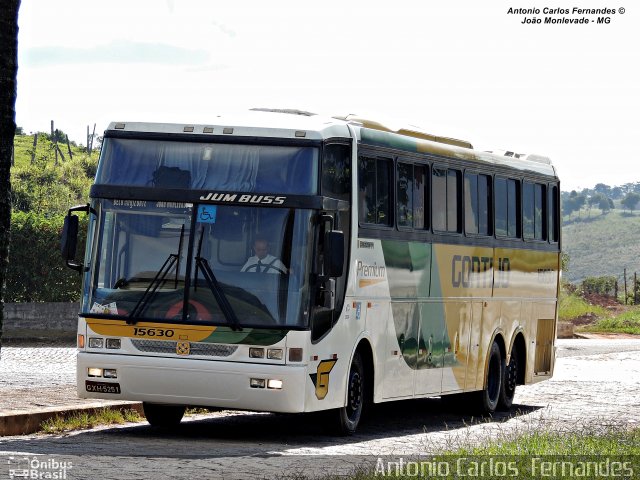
(214,286)
(158,280)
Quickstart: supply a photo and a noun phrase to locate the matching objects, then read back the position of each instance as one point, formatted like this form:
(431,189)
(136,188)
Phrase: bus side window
(374,191)
(507,207)
(533,211)
(336,171)
(445,206)
(477,195)
(553,209)
(411,191)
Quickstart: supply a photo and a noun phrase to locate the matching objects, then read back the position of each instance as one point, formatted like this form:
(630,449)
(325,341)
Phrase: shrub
(36,271)
(605,285)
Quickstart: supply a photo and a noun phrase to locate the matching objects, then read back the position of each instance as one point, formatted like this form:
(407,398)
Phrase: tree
(616,193)
(573,203)
(603,189)
(601,201)
(630,200)
(606,204)
(8,81)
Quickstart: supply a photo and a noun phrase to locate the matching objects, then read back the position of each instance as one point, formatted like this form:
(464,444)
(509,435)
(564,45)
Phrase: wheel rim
(355,395)
(511,377)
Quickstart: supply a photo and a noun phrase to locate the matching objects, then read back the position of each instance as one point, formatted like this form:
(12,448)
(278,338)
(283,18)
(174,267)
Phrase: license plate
(102,387)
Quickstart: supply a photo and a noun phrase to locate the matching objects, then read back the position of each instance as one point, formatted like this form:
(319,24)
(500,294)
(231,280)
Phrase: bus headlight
(94,372)
(274,384)
(95,342)
(274,354)
(256,352)
(114,343)
(256,382)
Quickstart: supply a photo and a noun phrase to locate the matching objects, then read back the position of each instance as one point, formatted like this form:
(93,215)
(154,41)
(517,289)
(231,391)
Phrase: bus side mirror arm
(69,240)
(329,294)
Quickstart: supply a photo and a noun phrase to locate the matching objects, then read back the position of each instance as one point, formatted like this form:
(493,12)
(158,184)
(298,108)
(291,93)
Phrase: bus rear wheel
(509,381)
(349,415)
(490,395)
(163,416)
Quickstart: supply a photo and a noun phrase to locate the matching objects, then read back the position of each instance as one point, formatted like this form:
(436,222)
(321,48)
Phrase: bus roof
(297,124)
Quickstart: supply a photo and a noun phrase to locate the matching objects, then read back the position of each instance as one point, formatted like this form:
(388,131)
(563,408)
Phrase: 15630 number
(153,332)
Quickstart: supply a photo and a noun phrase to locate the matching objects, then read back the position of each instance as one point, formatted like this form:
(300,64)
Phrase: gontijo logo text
(469,272)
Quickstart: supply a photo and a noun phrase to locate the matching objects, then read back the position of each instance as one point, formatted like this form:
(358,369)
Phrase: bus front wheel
(164,416)
(349,415)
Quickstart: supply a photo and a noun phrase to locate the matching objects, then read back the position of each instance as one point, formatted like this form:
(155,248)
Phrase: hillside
(41,185)
(601,244)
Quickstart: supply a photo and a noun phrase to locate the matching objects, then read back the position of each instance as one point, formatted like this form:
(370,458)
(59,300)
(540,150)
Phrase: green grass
(102,416)
(574,306)
(85,420)
(627,322)
(44,186)
(614,441)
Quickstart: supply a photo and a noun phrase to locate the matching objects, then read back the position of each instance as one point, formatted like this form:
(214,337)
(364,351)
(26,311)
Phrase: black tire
(163,416)
(490,396)
(349,415)
(509,380)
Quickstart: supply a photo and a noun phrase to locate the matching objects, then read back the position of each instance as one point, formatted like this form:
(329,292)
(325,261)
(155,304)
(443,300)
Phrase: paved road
(37,377)
(596,384)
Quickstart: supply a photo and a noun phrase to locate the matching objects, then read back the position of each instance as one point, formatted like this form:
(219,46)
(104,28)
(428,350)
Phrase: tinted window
(477,203)
(211,166)
(411,195)
(374,188)
(336,171)
(532,211)
(445,190)
(506,207)
(554,225)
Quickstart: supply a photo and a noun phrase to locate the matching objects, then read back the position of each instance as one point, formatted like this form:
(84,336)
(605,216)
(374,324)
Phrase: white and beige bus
(393,265)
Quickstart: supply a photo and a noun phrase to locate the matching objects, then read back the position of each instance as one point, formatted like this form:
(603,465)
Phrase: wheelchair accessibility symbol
(207,213)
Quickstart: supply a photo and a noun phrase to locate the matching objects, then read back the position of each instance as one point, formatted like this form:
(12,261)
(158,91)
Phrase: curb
(23,423)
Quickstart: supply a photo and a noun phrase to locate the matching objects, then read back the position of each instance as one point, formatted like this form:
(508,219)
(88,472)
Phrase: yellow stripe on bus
(366,283)
(153,331)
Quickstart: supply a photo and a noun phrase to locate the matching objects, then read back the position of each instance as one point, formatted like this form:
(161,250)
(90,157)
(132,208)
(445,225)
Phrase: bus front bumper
(192,382)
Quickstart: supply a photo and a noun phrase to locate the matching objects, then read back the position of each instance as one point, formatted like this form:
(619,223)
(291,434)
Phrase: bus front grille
(163,346)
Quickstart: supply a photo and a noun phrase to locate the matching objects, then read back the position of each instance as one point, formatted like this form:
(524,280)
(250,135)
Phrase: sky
(462,68)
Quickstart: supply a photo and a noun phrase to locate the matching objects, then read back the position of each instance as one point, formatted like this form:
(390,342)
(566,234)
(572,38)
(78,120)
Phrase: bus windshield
(232,265)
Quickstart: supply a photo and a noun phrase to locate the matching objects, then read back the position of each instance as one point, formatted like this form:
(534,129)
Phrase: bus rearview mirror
(69,242)
(334,253)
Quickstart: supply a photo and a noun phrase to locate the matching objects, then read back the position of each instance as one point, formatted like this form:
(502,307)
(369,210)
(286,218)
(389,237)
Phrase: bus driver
(263,261)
